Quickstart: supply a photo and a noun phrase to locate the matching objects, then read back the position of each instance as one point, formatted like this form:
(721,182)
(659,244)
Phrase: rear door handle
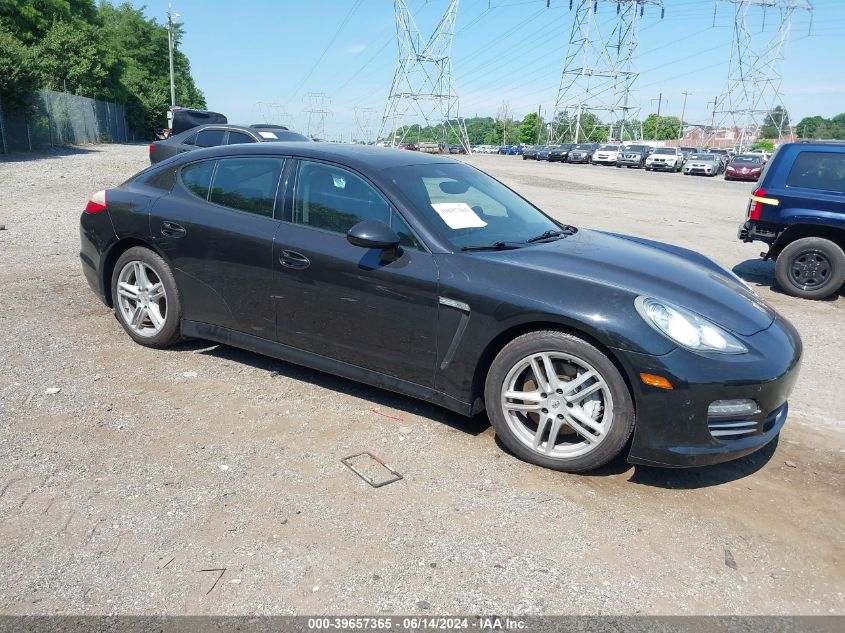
(171,229)
(292,259)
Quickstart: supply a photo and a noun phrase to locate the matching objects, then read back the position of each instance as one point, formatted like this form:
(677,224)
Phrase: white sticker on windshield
(267,135)
(458,215)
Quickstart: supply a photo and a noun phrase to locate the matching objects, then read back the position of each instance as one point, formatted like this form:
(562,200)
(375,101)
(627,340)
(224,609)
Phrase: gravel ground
(148,473)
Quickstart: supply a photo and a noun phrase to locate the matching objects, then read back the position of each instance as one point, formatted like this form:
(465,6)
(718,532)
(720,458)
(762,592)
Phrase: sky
(260,59)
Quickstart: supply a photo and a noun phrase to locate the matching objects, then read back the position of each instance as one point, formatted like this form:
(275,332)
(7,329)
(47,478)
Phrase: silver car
(704,164)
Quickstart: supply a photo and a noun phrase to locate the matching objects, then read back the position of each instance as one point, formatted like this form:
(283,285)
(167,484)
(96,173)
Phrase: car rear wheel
(556,401)
(811,268)
(146,301)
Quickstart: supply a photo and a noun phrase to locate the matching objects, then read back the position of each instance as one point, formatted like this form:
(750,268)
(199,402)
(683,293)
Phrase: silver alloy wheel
(557,405)
(141,298)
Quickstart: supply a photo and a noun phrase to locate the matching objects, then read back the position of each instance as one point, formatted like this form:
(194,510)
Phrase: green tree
(765,144)
(529,128)
(18,74)
(776,123)
(73,58)
(29,20)
(662,129)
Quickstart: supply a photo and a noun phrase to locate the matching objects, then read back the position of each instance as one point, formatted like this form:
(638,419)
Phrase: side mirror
(373,234)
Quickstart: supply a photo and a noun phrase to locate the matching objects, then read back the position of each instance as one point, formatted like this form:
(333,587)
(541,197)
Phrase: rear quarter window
(197,177)
(824,171)
(161,179)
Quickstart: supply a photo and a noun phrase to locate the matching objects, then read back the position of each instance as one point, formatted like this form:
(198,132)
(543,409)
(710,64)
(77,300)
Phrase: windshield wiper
(546,235)
(495,246)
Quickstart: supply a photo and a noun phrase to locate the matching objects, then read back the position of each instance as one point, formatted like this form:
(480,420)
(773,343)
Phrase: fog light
(732,408)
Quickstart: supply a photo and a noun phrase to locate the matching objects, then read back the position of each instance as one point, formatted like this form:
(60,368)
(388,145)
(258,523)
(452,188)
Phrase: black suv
(798,209)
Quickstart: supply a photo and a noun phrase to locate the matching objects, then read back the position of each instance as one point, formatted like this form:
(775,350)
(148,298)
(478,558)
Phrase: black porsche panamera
(425,276)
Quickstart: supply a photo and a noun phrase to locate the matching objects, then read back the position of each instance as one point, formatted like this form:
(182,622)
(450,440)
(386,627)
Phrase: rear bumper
(94,230)
(751,231)
(674,429)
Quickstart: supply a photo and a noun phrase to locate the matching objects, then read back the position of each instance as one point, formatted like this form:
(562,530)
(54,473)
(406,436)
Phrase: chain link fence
(59,118)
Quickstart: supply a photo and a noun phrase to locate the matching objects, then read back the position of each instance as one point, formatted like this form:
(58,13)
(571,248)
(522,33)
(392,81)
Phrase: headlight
(686,328)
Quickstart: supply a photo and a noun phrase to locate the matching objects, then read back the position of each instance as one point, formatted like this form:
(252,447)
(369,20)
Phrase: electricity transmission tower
(752,90)
(595,100)
(316,113)
(272,112)
(364,118)
(423,86)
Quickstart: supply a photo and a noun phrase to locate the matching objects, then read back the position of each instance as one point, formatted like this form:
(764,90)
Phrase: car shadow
(374,395)
(760,272)
(678,478)
(704,476)
(670,478)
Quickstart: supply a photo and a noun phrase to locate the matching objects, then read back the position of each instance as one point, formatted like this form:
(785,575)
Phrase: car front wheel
(557,401)
(146,301)
(811,268)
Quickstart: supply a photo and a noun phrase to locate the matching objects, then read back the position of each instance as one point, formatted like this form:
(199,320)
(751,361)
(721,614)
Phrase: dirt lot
(149,468)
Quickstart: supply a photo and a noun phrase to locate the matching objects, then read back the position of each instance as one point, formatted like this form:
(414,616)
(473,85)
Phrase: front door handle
(171,229)
(292,259)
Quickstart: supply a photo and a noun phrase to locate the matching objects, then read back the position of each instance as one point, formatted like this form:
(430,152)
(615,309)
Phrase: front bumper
(702,171)
(738,175)
(661,166)
(629,162)
(579,158)
(673,428)
(600,160)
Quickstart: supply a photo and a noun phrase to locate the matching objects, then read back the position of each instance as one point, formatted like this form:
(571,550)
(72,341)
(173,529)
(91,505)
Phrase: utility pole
(539,126)
(170,16)
(683,113)
(659,103)
(599,70)
(712,133)
(752,89)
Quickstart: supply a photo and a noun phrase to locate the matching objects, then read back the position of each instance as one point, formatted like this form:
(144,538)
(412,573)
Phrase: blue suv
(798,209)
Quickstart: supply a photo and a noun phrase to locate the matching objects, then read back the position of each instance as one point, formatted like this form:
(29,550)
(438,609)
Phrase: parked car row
(688,160)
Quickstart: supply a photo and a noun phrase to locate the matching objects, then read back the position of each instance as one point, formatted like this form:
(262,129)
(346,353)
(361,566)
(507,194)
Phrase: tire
(160,319)
(609,405)
(815,261)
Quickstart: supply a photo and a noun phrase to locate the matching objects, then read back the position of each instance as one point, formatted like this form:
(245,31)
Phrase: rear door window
(824,171)
(197,177)
(236,138)
(210,138)
(247,184)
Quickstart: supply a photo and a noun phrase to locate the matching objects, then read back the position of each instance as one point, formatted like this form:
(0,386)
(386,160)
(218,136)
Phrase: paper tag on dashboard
(458,215)
(267,135)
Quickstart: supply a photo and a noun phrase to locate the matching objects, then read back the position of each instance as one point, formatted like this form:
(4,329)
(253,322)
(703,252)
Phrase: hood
(653,269)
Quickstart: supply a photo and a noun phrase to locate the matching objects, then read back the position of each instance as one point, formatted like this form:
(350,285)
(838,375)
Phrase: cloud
(356,49)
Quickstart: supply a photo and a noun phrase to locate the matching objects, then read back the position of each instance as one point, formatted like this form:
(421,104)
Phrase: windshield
(635,148)
(468,207)
(583,146)
(665,150)
(611,148)
(751,160)
(702,157)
